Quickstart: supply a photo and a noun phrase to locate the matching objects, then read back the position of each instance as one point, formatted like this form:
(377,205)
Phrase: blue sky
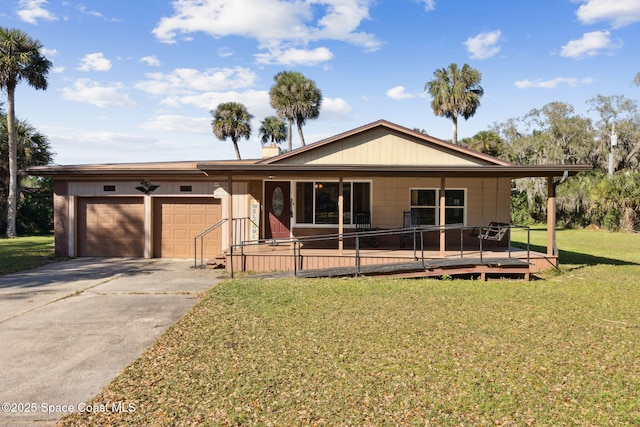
(134,81)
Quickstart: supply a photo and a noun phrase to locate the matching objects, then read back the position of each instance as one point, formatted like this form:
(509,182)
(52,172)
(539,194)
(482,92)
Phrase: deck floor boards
(430,267)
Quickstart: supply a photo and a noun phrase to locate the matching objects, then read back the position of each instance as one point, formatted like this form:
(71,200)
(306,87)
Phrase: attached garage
(177,221)
(110,226)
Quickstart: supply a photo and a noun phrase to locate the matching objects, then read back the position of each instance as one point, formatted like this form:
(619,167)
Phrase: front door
(278,207)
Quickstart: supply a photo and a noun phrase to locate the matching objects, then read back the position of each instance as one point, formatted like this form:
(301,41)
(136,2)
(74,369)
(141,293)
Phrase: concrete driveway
(67,329)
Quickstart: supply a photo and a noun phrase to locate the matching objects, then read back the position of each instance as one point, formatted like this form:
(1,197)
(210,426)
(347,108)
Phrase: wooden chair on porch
(495,231)
(363,225)
(411,220)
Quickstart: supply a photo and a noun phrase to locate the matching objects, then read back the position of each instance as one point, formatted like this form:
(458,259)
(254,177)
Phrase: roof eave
(289,170)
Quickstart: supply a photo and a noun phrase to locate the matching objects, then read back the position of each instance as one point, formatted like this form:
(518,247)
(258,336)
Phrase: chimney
(270,151)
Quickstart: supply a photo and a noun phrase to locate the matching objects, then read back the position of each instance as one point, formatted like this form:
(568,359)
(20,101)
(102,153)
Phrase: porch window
(317,201)
(427,203)
(454,206)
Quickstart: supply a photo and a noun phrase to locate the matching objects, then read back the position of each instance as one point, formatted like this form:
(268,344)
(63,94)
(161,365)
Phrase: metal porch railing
(239,234)
(417,233)
(201,236)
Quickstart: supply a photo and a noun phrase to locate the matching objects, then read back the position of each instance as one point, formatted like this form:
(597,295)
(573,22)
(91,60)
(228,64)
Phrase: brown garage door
(176,221)
(110,226)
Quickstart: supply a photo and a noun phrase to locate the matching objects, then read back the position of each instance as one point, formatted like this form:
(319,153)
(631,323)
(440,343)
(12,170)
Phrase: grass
(24,253)
(562,350)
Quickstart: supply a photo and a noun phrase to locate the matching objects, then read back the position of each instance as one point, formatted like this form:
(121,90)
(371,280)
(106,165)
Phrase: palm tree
(33,150)
(455,92)
(20,59)
(273,130)
(296,99)
(231,120)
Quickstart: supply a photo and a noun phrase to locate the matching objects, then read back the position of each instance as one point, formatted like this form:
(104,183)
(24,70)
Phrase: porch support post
(442,220)
(230,211)
(340,215)
(551,215)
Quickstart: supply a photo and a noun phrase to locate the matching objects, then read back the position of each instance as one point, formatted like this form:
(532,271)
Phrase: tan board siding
(379,147)
(487,199)
(110,226)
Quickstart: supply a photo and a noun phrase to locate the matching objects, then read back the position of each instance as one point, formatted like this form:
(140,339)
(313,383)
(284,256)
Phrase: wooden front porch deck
(278,260)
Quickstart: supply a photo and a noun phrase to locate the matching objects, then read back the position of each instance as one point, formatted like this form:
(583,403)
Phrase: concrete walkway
(67,329)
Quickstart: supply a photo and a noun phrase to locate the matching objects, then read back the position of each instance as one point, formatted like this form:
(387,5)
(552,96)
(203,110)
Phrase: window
(427,203)
(317,202)
(186,188)
(454,206)
(109,188)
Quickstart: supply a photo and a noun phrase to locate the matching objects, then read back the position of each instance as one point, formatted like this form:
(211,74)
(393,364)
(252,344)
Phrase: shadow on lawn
(569,257)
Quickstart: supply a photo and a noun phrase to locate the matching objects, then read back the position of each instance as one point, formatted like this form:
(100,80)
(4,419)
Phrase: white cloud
(94,62)
(295,56)
(107,147)
(271,22)
(429,5)
(619,13)
(484,45)
(225,52)
(49,53)
(188,80)
(151,61)
(90,92)
(553,83)
(341,21)
(398,93)
(334,108)
(589,45)
(176,123)
(32,10)
(83,9)
(257,102)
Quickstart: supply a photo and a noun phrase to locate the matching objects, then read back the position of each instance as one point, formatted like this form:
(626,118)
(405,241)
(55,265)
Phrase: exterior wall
(128,188)
(61,218)
(256,210)
(67,193)
(381,147)
(240,209)
(487,199)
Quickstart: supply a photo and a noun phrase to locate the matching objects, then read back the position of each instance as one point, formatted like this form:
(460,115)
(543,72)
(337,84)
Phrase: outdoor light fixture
(146,187)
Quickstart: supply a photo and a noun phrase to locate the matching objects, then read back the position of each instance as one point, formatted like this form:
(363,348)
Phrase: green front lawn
(23,253)
(557,351)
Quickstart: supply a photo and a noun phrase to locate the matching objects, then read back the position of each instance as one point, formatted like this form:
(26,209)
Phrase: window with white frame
(426,201)
(317,201)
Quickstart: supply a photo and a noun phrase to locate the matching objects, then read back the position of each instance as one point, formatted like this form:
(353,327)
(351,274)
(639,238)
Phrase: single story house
(381,169)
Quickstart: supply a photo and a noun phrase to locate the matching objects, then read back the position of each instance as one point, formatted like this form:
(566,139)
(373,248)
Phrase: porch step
(219,262)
